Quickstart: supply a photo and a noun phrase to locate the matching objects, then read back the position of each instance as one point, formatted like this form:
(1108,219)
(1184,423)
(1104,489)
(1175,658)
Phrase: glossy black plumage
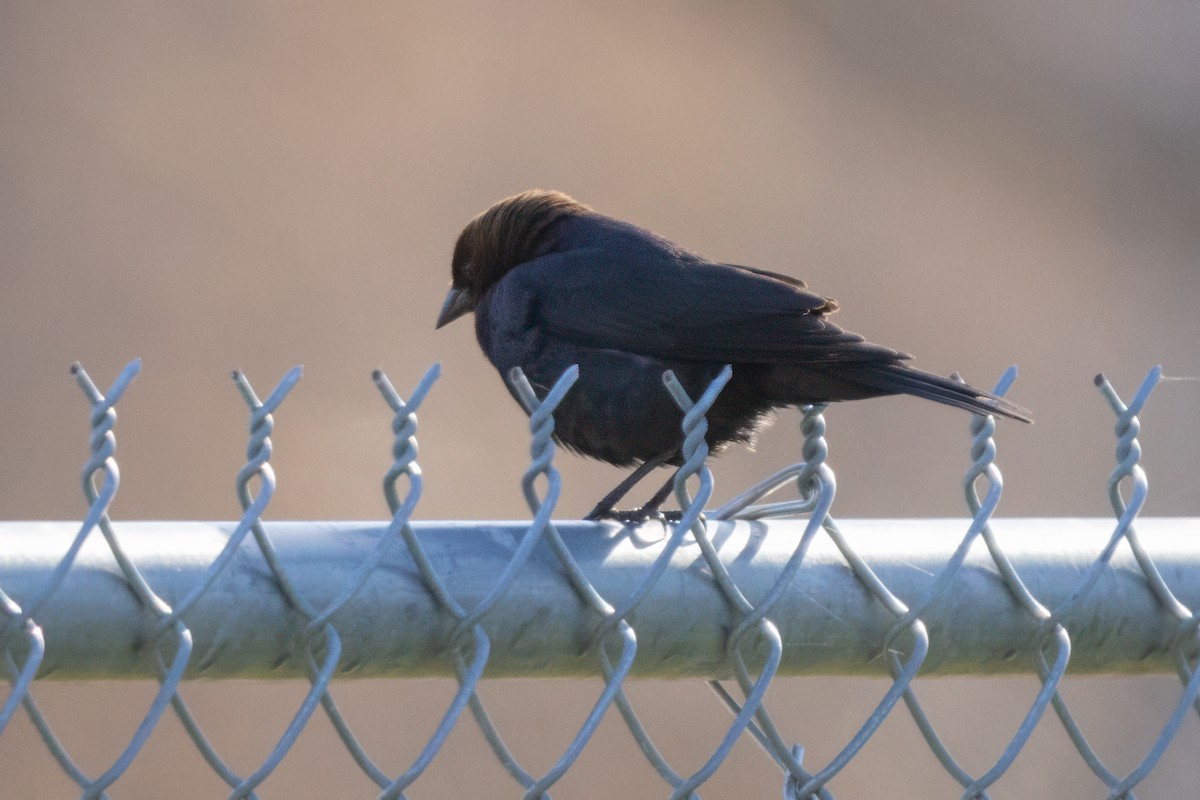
(553,283)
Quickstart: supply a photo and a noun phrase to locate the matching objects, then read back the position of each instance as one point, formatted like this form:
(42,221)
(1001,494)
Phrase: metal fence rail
(392,627)
(732,594)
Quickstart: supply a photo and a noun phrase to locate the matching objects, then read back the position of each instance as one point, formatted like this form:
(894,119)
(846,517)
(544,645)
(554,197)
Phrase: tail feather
(896,378)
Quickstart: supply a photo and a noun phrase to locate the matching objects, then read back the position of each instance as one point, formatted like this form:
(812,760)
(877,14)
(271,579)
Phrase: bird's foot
(634,516)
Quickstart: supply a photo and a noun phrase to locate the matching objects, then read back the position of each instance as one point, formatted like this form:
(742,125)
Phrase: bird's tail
(893,378)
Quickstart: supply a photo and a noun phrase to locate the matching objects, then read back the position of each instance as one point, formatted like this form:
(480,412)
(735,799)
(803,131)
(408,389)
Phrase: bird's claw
(635,516)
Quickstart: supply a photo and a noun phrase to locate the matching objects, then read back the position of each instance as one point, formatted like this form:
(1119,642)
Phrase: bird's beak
(457,303)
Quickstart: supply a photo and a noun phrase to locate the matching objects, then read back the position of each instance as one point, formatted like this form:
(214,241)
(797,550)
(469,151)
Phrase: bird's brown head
(511,232)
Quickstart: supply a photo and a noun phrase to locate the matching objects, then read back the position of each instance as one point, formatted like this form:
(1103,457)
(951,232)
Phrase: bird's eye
(462,274)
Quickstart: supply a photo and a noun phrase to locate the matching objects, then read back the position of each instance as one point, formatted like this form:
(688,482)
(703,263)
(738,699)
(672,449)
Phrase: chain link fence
(737,595)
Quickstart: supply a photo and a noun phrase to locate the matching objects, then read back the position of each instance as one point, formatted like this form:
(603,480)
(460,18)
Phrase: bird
(553,283)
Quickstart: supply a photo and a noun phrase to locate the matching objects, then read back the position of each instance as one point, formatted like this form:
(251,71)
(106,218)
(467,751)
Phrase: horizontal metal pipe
(243,627)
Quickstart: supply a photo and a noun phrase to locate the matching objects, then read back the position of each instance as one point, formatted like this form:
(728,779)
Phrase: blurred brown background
(221,185)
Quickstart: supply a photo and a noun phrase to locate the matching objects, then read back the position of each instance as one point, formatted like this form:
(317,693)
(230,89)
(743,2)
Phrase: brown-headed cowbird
(554,283)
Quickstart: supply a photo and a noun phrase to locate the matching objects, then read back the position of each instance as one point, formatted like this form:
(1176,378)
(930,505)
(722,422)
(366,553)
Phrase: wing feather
(681,306)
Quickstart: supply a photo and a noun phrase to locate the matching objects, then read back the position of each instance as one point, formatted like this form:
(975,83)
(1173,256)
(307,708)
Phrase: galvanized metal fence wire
(168,619)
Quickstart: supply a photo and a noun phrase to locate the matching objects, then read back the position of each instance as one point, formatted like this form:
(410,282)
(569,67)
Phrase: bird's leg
(605,507)
(659,498)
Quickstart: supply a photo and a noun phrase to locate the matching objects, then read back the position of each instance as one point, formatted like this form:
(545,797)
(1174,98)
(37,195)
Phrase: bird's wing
(671,306)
